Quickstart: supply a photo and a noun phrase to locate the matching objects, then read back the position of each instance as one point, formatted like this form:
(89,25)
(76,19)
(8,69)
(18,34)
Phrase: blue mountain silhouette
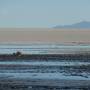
(83,24)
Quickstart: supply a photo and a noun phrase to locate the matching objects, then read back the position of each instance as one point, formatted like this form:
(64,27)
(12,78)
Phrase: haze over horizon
(39,13)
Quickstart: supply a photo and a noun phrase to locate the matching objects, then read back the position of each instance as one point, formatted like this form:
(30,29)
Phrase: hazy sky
(43,13)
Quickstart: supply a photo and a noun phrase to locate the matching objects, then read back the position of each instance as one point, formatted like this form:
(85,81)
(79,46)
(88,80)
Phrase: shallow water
(55,76)
(44,71)
(43,48)
(45,63)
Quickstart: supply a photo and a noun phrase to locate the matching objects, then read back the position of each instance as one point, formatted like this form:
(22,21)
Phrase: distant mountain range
(83,24)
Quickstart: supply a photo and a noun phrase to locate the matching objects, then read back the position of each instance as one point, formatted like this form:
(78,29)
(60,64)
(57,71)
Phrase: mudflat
(36,82)
(44,35)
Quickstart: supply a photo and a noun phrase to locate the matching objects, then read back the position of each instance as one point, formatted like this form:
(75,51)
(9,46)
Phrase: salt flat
(47,35)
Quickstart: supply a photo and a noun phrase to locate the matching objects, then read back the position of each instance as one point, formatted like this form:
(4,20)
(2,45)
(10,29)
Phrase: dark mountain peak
(83,24)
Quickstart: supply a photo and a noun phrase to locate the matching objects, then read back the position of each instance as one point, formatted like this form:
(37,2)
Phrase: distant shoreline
(46,43)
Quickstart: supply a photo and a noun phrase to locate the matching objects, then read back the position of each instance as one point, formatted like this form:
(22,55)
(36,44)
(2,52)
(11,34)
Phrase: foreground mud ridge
(23,87)
(46,57)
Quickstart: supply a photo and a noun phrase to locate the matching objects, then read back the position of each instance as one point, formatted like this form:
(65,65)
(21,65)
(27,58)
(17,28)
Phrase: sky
(43,13)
